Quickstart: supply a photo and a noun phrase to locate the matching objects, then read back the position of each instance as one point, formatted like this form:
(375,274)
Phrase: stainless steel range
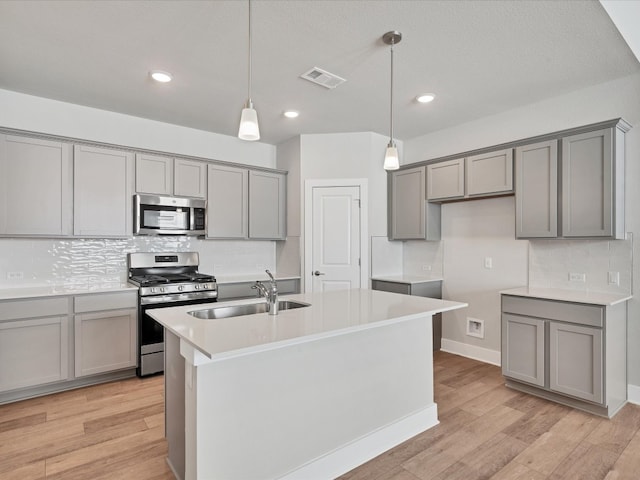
(164,280)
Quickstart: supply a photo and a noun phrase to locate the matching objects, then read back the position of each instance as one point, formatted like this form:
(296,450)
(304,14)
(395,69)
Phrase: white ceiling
(479,57)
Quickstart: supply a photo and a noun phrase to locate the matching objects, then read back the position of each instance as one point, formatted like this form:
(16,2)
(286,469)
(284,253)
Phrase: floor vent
(322,77)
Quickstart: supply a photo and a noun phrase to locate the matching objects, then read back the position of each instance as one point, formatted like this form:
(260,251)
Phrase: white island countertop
(575,296)
(330,314)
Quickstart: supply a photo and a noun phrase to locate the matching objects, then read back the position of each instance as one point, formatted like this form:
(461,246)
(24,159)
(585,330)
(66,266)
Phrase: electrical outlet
(577,277)
(488,262)
(15,275)
(426,268)
(614,278)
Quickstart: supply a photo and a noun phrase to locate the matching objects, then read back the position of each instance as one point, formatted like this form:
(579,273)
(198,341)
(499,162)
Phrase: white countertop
(330,314)
(593,298)
(60,290)
(407,279)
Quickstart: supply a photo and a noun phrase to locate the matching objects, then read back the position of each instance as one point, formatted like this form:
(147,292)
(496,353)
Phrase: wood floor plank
(627,467)
(516,471)
(537,421)
(586,462)
(21,422)
(29,471)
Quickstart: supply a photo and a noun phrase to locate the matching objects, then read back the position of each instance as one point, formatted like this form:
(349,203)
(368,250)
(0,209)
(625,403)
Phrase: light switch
(488,262)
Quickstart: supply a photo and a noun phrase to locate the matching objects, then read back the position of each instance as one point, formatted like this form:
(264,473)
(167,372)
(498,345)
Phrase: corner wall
(619,98)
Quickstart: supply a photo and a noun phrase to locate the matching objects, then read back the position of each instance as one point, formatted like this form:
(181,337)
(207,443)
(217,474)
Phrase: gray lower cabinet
(572,353)
(45,348)
(105,333)
(34,342)
(430,289)
(410,217)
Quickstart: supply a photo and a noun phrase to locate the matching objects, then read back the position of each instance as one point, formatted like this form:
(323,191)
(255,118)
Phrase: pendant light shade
(391,157)
(249,129)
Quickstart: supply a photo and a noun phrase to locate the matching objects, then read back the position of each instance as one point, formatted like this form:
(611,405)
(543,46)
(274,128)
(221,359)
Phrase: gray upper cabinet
(267,205)
(479,175)
(445,180)
(593,185)
(189,178)
(154,174)
(35,187)
(160,175)
(102,192)
(579,196)
(227,206)
(245,203)
(410,217)
(536,174)
(489,173)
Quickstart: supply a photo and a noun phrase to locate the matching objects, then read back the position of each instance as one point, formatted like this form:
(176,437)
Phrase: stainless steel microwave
(157,215)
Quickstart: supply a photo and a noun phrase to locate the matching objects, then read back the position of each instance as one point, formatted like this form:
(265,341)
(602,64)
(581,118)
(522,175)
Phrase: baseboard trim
(356,453)
(633,394)
(471,351)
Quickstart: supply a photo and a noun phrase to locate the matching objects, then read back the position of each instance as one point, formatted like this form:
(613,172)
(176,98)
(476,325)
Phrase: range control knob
(180,288)
(162,289)
(197,287)
(153,290)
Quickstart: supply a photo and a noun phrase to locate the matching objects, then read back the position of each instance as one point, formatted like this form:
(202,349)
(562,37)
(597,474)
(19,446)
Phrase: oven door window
(167,218)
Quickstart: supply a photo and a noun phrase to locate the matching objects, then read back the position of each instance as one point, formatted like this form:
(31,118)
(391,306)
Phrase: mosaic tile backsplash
(103,262)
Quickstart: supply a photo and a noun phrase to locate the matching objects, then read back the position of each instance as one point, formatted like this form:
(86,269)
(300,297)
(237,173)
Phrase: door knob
(317,273)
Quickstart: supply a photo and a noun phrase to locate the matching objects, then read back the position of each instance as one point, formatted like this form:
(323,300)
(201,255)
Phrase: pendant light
(391,158)
(249,129)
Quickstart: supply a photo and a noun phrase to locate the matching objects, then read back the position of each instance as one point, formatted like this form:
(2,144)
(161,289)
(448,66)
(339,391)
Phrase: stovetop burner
(154,279)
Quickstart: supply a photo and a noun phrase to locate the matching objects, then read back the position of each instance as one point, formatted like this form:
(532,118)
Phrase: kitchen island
(309,393)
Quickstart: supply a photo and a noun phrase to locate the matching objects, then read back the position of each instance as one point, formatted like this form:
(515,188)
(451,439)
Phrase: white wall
(41,115)
(619,98)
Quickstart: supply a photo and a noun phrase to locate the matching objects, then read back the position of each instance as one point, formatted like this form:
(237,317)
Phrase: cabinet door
(267,205)
(33,352)
(523,349)
(587,185)
(35,187)
(537,190)
(190,178)
(154,174)
(227,205)
(445,180)
(489,173)
(102,186)
(407,216)
(575,361)
(105,341)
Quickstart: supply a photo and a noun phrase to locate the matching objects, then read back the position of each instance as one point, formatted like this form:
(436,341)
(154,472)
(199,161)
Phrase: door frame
(309,185)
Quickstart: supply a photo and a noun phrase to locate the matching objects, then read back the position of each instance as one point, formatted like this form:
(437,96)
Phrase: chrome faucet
(269,293)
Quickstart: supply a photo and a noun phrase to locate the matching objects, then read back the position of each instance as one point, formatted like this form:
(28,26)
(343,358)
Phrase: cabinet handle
(317,273)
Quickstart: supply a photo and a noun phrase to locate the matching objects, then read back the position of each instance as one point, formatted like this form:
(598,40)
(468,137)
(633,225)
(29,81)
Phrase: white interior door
(335,238)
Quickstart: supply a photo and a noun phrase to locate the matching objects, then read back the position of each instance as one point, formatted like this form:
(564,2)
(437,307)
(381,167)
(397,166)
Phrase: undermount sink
(245,309)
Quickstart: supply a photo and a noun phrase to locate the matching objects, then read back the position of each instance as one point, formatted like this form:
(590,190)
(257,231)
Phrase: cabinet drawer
(592,315)
(38,307)
(105,301)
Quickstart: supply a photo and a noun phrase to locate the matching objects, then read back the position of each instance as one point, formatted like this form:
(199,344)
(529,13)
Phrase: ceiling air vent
(322,77)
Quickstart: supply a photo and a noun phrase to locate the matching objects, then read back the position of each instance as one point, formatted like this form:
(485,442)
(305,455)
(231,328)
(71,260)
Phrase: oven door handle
(167,300)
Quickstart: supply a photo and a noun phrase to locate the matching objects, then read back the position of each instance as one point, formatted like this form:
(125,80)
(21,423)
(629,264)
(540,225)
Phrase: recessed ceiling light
(425,97)
(162,77)
(291,114)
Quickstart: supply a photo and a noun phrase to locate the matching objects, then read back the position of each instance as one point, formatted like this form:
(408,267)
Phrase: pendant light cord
(391,101)
(249,102)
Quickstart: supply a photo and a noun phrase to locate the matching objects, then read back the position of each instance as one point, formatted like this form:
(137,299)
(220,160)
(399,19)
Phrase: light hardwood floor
(115,431)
